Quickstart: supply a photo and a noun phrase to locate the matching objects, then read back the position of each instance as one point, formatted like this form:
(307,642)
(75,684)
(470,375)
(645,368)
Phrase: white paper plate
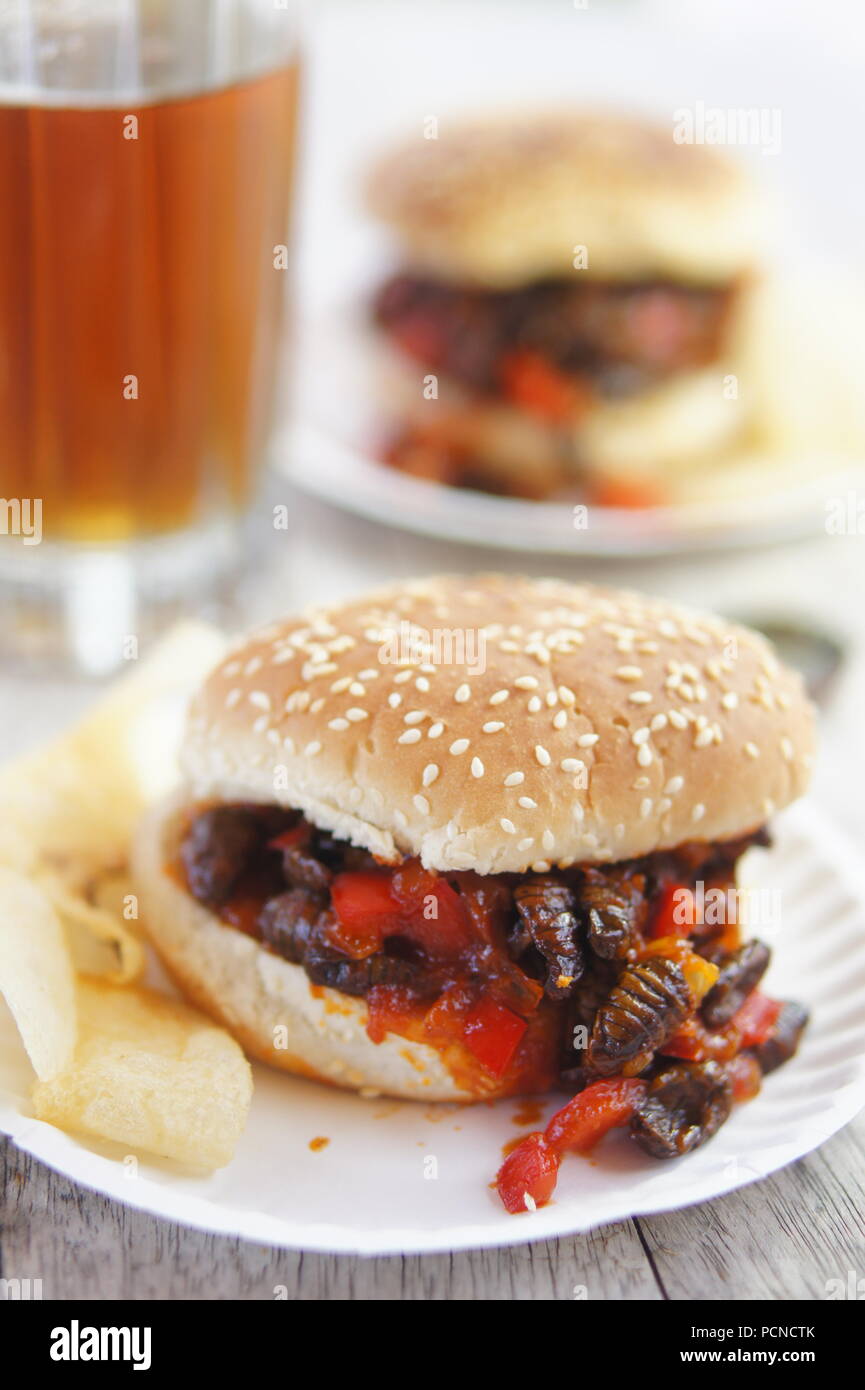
(366,1192)
(347,396)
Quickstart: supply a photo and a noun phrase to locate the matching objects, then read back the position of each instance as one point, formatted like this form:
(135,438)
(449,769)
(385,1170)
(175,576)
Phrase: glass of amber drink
(146,159)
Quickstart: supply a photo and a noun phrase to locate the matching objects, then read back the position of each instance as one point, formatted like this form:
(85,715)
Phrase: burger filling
(612,981)
(550,349)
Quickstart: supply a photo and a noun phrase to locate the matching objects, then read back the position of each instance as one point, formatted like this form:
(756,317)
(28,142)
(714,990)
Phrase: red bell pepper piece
(436,916)
(628,493)
(527,1178)
(674,912)
(756,1018)
(533,383)
(492,1034)
(591,1114)
(366,911)
(694,1042)
(746,1076)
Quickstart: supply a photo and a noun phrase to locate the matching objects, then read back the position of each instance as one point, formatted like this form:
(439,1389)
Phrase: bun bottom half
(268,1004)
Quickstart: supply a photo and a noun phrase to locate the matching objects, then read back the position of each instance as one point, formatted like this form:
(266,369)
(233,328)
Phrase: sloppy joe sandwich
(451,840)
(577,282)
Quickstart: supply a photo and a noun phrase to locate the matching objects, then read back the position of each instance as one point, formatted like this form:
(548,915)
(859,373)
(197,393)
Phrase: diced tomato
(694,1042)
(390,1009)
(367,911)
(533,383)
(756,1018)
(674,912)
(746,1076)
(596,1110)
(289,838)
(445,1021)
(492,1033)
(627,493)
(435,914)
(527,1178)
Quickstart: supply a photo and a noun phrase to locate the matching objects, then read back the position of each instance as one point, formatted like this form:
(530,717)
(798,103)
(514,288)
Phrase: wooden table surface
(778,1239)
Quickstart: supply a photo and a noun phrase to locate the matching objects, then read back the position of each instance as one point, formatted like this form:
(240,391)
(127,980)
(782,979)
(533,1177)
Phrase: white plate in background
(366,1192)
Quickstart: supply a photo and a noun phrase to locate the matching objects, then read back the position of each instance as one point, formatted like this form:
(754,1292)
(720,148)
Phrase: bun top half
(504,724)
(505,201)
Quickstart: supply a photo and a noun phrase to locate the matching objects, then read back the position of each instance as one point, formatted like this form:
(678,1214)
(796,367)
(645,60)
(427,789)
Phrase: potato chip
(36,975)
(68,810)
(125,960)
(150,1074)
(71,806)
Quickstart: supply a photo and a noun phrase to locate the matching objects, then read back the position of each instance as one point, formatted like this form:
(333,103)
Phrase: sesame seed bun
(505,724)
(505,201)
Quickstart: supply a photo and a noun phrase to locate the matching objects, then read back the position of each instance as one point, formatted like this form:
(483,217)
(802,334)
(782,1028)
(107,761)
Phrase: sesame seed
(255,664)
(515,779)
(552,699)
(640,783)
(312,748)
(640,697)
(410,736)
(232,698)
(629,673)
(548,839)
(578,812)
(401,677)
(698,812)
(477,768)
(430,773)
(435,730)
(422,684)
(542,755)
(644,755)
(342,684)
(459,745)
(421,804)
(338,725)
(462,693)
(508,826)
(674,785)
(526,682)
(499,697)
(704,737)
(752,750)
(535,704)
(664,805)
(260,724)
(259,698)
(571,765)
(641,735)
(356,688)
(394,700)
(414,716)
(646,807)
(526,843)
(566,695)
(356,715)
(587,740)
(527,803)
(493,726)
(677,719)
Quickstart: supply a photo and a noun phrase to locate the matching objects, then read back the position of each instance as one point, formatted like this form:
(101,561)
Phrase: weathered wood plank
(779,1239)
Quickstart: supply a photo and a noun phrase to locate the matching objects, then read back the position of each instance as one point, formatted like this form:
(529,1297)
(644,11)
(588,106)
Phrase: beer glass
(146,156)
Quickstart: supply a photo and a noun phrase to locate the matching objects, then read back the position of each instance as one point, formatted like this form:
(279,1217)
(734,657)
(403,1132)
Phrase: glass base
(84,609)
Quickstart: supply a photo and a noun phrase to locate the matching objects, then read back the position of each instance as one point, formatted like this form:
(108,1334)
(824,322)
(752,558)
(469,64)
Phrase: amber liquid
(140,304)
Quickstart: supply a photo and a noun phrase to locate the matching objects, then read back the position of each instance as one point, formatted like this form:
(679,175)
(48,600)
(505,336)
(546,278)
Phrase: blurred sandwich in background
(588,304)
